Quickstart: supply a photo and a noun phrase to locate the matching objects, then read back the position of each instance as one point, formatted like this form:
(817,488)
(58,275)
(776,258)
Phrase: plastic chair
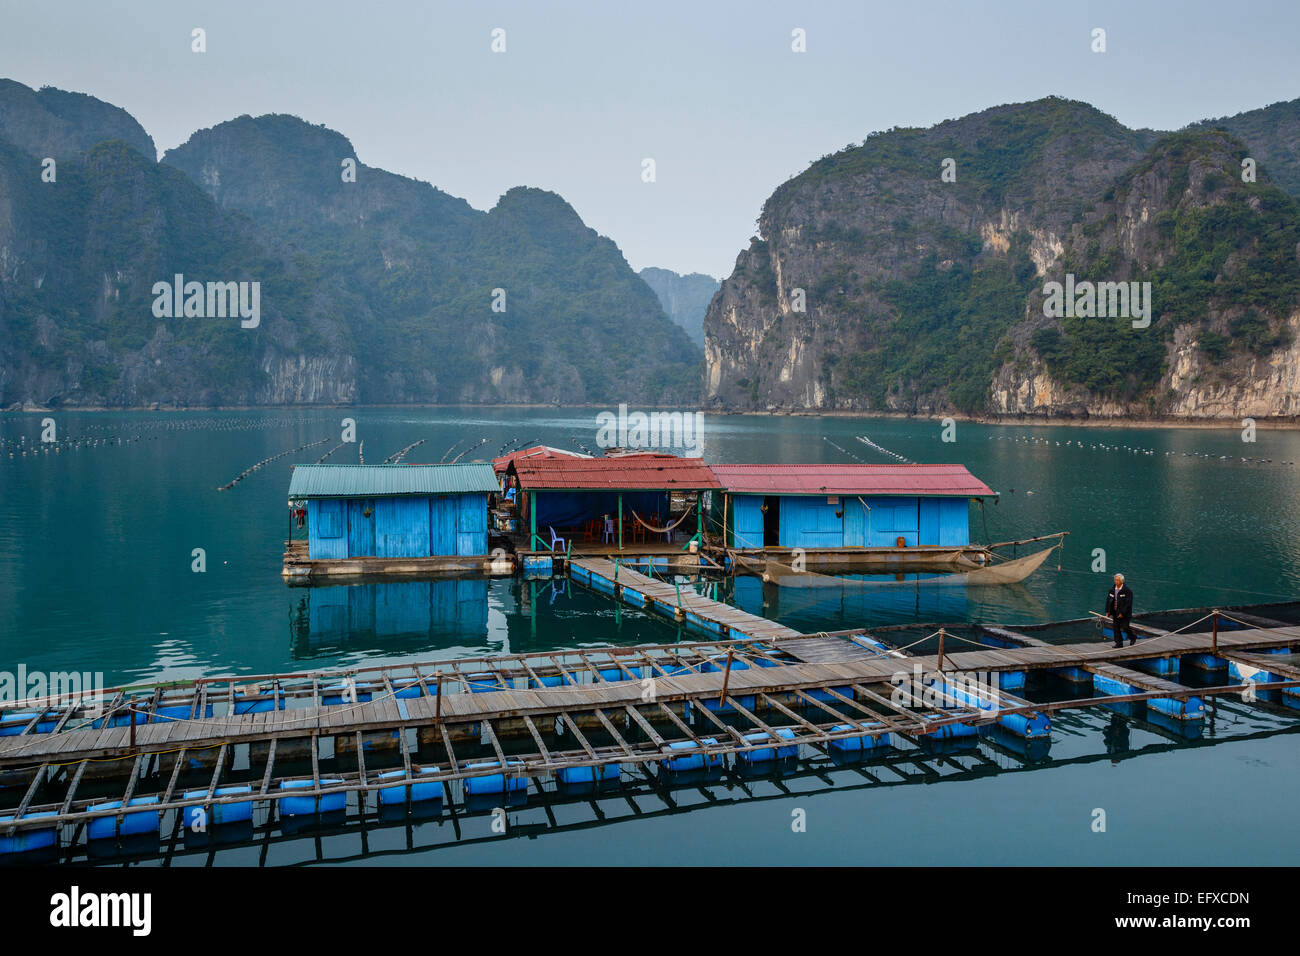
(556,539)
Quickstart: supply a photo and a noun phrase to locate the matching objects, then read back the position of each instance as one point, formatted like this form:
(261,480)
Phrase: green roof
(377,481)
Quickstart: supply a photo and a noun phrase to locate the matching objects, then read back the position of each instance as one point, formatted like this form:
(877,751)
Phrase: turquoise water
(96,547)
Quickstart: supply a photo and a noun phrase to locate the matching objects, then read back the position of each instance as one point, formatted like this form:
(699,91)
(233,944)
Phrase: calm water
(96,549)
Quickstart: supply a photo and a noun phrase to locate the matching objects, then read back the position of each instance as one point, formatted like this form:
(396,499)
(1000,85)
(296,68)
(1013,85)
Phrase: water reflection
(391,614)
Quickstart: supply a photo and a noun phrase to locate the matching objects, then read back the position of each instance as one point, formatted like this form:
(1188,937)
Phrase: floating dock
(297,745)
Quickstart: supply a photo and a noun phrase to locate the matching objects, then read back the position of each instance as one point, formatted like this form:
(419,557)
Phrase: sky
(585,92)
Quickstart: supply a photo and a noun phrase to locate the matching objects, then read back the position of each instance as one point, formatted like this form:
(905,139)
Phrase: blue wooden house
(394,511)
(825,507)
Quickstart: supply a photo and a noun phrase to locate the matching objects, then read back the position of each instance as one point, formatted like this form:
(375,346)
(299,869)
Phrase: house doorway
(771,521)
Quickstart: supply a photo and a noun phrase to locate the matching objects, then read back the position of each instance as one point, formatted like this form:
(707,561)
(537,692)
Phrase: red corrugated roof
(536,451)
(920,480)
(628,473)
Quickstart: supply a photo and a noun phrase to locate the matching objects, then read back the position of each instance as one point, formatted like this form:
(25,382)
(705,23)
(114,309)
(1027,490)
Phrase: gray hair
(1118,575)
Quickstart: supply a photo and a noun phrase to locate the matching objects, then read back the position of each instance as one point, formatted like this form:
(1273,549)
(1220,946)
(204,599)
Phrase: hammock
(647,524)
(1009,572)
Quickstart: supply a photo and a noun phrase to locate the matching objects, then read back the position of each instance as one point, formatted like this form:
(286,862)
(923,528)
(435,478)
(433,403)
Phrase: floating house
(573,497)
(390,518)
(822,508)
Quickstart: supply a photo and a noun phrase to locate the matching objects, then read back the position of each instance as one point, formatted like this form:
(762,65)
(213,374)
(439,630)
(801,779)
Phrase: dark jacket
(1119,602)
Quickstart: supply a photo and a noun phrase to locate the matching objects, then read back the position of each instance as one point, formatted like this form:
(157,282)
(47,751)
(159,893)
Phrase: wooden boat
(979,565)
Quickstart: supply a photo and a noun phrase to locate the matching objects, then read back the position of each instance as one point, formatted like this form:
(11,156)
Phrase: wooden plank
(270,763)
(492,739)
(645,726)
(577,734)
(537,738)
(72,788)
(609,726)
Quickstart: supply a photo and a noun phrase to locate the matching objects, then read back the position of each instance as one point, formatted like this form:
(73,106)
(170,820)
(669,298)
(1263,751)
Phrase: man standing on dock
(1119,608)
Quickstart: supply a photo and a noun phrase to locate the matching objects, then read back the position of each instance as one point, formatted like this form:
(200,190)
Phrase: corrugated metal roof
(378,481)
(536,451)
(630,473)
(920,480)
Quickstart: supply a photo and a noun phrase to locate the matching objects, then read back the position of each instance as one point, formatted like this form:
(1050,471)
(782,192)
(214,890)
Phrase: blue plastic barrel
(719,707)
(548,680)
(406,689)
(580,775)
(292,806)
(218,813)
(178,712)
(484,683)
(1011,680)
(494,782)
(824,695)
(699,760)
(105,828)
(402,789)
(259,703)
(950,731)
(14,724)
(341,694)
(764,754)
(1191,709)
(1030,726)
(24,841)
(736,665)
(861,742)
(618,673)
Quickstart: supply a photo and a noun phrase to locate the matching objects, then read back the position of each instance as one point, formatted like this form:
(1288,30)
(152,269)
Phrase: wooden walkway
(696,611)
(531,715)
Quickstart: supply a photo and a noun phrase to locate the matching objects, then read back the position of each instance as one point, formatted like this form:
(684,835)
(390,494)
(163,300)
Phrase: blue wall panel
(471,525)
(361,527)
(954,521)
(442,524)
(930,508)
(892,518)
(402,527)
(325,529)
(811,523)
(746,521)
(855,522)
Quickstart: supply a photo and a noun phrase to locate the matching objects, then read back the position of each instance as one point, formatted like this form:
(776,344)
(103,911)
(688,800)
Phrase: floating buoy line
(396,457)
(266,461)
(1131,449)
(884,451)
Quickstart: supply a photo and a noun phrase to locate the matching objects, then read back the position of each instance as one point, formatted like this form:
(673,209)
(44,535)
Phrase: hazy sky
(585,91)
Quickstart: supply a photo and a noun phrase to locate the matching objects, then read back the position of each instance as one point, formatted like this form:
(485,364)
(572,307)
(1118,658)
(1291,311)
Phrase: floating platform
(487,725)
(300,569)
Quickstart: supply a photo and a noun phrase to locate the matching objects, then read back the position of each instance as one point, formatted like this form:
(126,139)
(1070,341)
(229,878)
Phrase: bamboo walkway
(491,722)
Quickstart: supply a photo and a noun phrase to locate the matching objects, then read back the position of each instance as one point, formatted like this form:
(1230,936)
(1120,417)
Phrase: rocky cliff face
(373,288)
(56,123)
(684,297)
(571,322)
(906,274)
(1221,260)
